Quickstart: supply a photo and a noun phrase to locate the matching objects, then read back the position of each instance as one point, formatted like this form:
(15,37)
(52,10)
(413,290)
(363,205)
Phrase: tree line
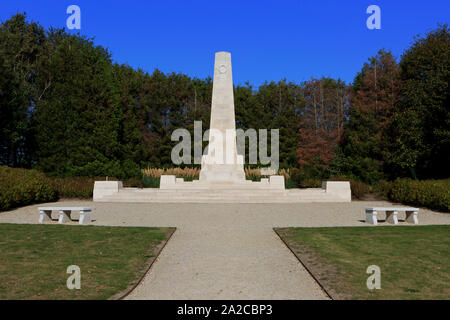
(68,110)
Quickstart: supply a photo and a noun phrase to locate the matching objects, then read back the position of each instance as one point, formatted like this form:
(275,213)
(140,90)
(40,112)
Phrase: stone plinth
(106,188)
(224,165)
(169,182)
(339,189)
(265,191)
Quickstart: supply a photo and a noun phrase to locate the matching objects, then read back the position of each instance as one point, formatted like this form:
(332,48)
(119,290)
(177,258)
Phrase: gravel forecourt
(225,251)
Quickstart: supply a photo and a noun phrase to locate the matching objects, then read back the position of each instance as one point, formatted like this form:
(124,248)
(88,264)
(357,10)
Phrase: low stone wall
(106,188)
(170,182)
(266,191)
(338,189)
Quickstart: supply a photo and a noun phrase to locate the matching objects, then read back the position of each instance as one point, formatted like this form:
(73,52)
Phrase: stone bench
(391,214)
(45,214)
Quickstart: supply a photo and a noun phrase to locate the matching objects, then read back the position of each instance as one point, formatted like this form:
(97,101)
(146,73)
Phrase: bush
(359,189)
(310,183)
(133,182)
(150,181)
(383,189)
(290,184)
(292,178)
(253,174)
(188,174)
(83,187)
(20,187)
(122,170)
(433,194)
(78,187)
(151,176)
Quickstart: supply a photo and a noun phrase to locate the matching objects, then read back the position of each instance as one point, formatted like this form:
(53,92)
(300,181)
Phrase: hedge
(78,187)
(433,194)
(20,187)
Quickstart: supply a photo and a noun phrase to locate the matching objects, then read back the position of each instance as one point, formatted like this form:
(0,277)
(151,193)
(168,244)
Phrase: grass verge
(414,261)
(111,259)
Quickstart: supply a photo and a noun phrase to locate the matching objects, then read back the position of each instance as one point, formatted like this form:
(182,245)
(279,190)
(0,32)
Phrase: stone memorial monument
(222,176)
(222,166)
(223,122)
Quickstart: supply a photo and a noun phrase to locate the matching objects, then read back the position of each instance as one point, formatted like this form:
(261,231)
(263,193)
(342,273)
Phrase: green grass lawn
(414,260)
(34,259)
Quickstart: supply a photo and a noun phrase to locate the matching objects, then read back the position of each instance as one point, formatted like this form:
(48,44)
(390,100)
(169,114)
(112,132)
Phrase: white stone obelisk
(222,163)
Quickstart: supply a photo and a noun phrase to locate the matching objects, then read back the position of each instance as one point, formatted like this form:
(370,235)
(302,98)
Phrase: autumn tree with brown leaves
(327,103)
(374,94)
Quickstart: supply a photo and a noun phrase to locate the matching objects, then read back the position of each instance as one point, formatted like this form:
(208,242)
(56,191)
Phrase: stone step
(218,191)
(209,197)
(197,191)
(217,195)
(221,194)
(179,196)
(266,200)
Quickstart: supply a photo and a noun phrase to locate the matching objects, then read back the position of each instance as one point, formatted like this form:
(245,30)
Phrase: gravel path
(225,251)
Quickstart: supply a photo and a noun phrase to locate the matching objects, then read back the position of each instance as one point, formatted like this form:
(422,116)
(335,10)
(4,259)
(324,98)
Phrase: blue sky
(268,40)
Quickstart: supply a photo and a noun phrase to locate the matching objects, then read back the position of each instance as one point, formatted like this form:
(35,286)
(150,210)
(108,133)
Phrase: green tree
(78,117)
(279,106)
(21,45)
(133,146)
(419,132)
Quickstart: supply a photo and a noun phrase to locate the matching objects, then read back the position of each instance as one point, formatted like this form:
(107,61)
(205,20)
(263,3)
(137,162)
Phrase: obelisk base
(222,173)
